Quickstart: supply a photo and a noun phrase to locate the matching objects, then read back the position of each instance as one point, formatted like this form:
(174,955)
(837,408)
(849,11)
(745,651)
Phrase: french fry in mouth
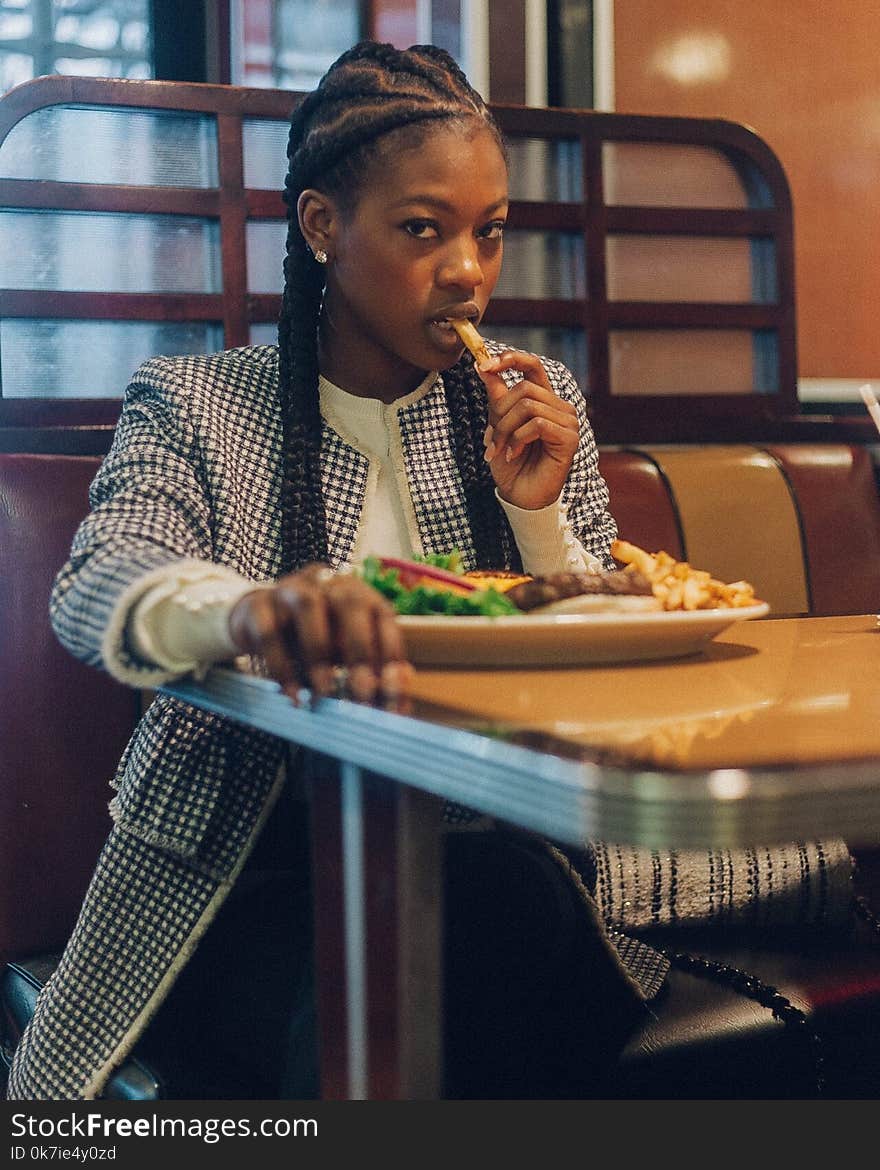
(467,331)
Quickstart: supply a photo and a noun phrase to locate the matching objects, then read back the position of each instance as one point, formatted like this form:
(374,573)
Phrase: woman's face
(423,244)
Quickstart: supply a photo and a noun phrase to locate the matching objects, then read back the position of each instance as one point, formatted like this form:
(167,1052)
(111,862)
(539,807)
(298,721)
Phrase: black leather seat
(135,1080)
(741,1015)
(709,1040)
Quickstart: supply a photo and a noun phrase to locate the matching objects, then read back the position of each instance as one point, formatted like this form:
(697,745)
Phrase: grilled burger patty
(555,587)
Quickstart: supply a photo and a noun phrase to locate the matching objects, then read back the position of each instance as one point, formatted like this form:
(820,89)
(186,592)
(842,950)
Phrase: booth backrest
(801,522)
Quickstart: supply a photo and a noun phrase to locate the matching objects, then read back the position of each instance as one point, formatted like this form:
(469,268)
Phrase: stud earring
(321,256)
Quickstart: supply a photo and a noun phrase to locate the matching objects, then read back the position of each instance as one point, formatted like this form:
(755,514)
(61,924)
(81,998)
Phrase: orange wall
(805,75)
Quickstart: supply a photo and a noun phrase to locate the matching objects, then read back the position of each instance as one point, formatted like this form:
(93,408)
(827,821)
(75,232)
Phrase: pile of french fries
(677,586)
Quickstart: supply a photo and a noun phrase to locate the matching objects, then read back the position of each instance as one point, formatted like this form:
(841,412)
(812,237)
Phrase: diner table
(768,731)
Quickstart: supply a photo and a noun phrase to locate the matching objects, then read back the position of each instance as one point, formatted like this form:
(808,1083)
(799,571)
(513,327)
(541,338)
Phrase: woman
(237,487)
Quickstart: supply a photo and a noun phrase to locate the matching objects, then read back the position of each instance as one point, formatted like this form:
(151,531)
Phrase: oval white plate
(566,639)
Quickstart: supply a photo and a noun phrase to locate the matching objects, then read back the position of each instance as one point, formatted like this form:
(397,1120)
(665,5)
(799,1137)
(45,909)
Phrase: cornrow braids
(372,90)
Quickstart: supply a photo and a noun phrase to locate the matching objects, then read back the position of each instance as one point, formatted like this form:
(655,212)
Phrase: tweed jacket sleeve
(153,505)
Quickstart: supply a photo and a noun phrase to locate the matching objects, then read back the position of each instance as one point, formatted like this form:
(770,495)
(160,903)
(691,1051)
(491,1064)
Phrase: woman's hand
(532,435)
(328,631)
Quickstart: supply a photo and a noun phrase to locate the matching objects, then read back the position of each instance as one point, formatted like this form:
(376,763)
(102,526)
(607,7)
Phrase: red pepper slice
(414,573)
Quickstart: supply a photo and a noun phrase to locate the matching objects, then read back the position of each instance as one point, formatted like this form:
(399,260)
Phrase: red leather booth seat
(63,725)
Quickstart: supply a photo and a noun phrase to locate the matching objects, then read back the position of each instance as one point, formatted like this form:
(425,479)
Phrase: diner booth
(654,256)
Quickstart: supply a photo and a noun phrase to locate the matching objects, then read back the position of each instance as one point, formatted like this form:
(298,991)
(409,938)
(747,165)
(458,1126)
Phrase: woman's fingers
(316,628)
(532,434)
(527,364)
(531,394)
(557,441)
(257,626)
(526,418)
(395,671)
(304,610)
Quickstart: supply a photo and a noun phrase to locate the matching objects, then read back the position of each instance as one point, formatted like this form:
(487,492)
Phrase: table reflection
(762,693)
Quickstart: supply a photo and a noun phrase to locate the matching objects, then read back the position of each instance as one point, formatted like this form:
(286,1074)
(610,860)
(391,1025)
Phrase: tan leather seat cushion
(739,520)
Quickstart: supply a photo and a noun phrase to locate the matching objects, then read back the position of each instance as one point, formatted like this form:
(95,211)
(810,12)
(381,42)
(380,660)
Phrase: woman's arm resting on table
(150,536)
(303,628)
(149,513)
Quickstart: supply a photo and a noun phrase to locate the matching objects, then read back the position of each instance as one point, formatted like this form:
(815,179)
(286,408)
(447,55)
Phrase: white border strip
(603,55)
(236,40)
(424,20)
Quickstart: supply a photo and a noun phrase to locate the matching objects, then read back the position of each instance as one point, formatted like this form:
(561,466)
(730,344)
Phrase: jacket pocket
(170,776)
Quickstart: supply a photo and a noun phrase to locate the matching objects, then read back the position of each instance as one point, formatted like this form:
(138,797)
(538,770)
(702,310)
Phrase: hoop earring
(320,255)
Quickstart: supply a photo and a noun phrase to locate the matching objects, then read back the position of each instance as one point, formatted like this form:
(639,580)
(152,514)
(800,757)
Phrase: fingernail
(391,679)
(485,364)
(509,455)
(487,435)
(395,678)
(489,453)
(362,682)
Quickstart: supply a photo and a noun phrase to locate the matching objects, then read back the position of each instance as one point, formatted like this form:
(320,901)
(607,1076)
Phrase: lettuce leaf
(423,600)
(450,561)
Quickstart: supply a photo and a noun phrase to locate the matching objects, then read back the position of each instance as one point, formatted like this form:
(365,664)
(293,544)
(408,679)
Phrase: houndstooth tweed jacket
(194,471)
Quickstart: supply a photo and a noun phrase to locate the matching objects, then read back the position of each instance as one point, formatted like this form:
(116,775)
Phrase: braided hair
(336,133)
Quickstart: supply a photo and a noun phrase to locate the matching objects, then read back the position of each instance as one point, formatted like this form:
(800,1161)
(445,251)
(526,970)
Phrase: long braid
(304,533)
(468,408)
(370,91)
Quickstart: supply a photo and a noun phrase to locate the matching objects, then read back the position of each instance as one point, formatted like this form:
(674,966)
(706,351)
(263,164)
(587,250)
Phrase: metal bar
(355,931)
(567,796)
